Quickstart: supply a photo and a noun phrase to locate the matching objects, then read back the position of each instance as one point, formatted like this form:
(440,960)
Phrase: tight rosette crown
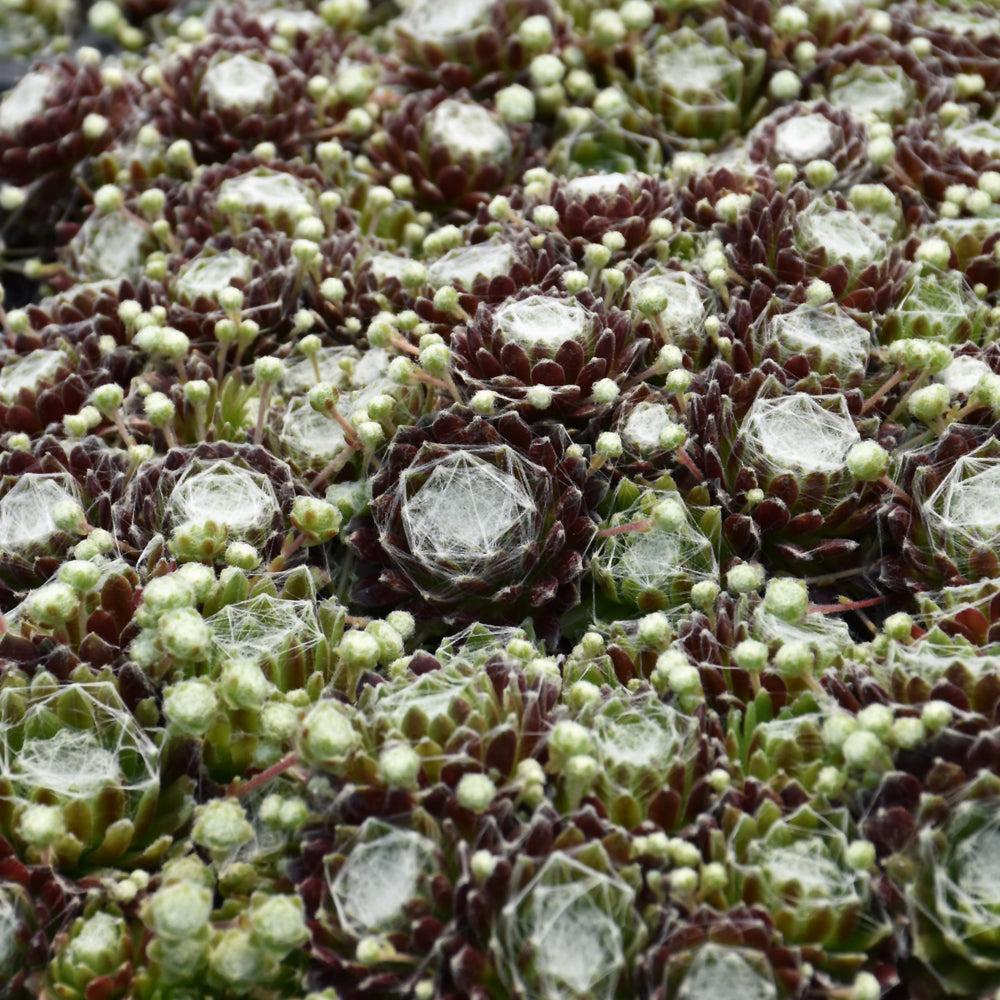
(477,519)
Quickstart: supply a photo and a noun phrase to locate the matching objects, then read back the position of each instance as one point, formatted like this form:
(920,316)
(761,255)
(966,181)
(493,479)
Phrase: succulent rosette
(654,554)
(816,880)
(209,494)
(698,952)
(54,495)
(80,782)
(808,503)
(226,96)
(52,120)
(477,46)
(457,153)
(700,109)
(956,918)
(35,903)
(525,563)
(594,204)
(951,543)
(94,954)
(551,355)
(804,132)
(496,500)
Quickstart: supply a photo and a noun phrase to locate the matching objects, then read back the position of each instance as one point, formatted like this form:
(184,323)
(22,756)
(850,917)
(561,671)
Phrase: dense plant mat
(499,500)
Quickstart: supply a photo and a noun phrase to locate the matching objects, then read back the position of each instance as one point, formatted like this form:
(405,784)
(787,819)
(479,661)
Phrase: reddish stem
(265,776)
(643,525)
(825,609)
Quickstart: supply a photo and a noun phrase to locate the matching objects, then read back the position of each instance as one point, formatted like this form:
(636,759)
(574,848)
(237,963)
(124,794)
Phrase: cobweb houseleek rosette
(36,903)
(81,784)
(879,77)
(947,538)
(262,265)
(700,951)
(784,479)
(456,153)
(954,899)
(477,519)
(55,494)
(653,555)
(815,344)
(816,876)
(485,261)
(550,355)
(84,316)
(478,46)
(593,204)
(803,132)
(54,118)
(701,86)
(213,492)
(226,95)
(243,192)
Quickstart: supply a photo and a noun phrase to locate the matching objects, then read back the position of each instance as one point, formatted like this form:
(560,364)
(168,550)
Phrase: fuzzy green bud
(861,855)
(704,594)
(81,575)
(278,721)
(654,630)
(107,398)
(785,85)
(327,735)
(197,392)
(881,150)
(516,104)
(607,28)
(794,659)
(203,541)
(936,715)
(837,726)
(539,396)
(830,781)
(929,402)
(41,825)
(475,792)
(820,173)
(185,635)
(269,369)
(221,825)
(242,684)
(787,599)
(399,765)
(360,650)
(865,985)
(278,922)
(744,578)
(237,959)
(867,461)
(861,749)
(190,707)
(935,252)
(609,445)
(669,515)
(876,719)
(751,655)
(908,732)
(545,216)
(569,739)
(52,604)
(159,408)
(317,519)
(898,627)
